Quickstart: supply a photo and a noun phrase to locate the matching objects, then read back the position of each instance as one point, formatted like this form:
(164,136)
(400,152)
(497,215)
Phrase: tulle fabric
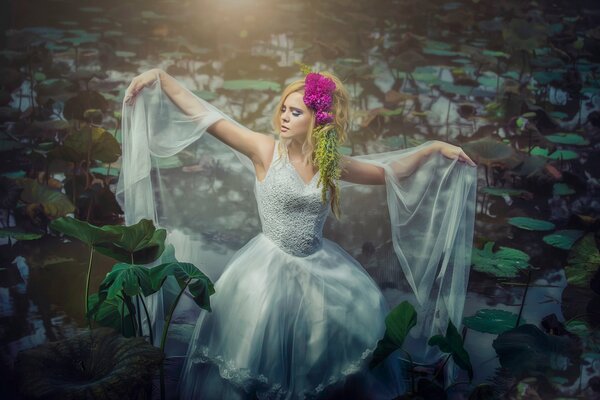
(414,234)
(284,326)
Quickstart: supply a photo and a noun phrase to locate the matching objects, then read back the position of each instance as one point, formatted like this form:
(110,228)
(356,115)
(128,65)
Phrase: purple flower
(318,91)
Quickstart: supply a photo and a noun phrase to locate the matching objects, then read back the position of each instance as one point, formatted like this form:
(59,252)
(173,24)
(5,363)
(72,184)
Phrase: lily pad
(568,138)
(54,203)
(583,261)
(526,350)
(248,84)
(563,239)
(496,191)
(492,321)
(562,189)
(19,234)
(531,224)
(504,263)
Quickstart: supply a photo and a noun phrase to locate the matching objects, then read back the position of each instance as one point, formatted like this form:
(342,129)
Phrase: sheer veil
(413,234)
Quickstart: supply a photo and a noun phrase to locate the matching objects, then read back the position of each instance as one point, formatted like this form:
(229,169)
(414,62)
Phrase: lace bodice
(291,212)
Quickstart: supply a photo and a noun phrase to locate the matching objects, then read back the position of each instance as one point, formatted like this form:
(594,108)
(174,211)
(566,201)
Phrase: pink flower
(318,90)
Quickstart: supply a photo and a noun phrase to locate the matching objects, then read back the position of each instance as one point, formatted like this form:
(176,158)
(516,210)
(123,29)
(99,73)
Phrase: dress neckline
(288,162)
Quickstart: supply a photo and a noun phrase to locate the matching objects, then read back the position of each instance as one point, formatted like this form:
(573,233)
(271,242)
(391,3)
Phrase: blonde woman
(294,314)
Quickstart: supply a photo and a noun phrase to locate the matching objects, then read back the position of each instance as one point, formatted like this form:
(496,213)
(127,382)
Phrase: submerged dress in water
(292,312)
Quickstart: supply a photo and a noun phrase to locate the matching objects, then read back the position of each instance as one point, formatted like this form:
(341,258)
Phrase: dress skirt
(284,326)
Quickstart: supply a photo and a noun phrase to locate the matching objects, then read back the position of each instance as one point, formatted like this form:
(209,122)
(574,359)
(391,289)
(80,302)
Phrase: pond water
(480,75)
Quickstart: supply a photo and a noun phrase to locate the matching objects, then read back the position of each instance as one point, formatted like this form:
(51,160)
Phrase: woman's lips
(284,128)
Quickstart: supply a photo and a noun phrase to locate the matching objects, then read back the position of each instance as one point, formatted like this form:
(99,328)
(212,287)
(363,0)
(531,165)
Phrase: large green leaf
(531,224)
(452,344)
(130,278)
(54,203)
(563,239)
(492,321)
(108,313)
(87,233)
(526,350)
(583,261)
(140,243)
(397,325)
(200,285)
(100,144)
(504,263)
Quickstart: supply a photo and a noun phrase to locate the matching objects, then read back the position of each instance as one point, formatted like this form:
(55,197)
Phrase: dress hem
(245,380)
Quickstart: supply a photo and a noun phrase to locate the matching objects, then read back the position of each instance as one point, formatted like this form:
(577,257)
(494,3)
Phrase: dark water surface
(460,71)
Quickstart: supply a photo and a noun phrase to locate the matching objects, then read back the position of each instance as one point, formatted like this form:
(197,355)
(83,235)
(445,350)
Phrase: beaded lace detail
(265,390)
(291,211)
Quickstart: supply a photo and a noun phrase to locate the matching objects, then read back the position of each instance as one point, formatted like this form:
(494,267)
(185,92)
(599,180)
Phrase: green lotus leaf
(568,138)
(564,155)
(452,343)
(489,151)
(98,143)
(526,350)
(100,365)
(496,191)
(559,115)
(583,261)
(562,189)
(19,234)
(531,224)
(398,324)
(76,106)
(563,239)
(84,231)
(249,84)
(112,171)
(504,263)
(492,321)
(54,203)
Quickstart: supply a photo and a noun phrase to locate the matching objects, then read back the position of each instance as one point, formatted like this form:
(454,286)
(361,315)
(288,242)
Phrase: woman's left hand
(455,153)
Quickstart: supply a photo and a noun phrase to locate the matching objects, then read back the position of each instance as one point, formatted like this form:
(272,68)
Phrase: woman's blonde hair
(340,123)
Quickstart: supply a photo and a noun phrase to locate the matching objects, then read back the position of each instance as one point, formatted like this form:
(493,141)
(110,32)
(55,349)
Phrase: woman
(294,314)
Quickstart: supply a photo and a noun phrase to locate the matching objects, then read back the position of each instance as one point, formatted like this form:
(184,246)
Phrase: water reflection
(388,56)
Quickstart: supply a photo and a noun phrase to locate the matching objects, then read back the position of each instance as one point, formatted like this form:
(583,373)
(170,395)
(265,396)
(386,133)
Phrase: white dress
(292,312)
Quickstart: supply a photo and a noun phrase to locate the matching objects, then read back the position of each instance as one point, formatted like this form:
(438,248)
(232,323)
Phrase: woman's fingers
(131,92)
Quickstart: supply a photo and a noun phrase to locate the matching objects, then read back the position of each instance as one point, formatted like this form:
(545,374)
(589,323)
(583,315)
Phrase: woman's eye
(296,113)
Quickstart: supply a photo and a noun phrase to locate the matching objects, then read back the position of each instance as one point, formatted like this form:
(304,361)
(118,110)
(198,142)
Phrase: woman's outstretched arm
(254,145)
(356,171)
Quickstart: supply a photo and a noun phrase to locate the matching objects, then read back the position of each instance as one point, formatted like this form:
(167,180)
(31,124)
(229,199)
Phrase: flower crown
(318,95)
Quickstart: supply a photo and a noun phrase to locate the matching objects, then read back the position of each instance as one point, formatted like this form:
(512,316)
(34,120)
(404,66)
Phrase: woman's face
(295,118)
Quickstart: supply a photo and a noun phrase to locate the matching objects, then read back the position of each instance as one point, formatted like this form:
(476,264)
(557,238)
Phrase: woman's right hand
(138,83)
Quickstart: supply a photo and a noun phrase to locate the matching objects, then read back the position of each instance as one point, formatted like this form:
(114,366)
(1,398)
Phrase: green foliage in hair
(328,159)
